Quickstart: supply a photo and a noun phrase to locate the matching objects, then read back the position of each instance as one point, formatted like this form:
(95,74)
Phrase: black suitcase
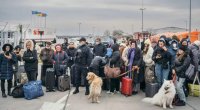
(50,79)
(43,73)
(151,89)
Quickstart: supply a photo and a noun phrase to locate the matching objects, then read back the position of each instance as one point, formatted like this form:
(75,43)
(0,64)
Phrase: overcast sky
(64,15)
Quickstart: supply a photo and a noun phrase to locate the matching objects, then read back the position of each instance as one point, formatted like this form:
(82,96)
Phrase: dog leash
(118,75)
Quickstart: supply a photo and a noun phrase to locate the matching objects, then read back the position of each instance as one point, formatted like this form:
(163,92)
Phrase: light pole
(93,30)
(79,29)
(190,21)
(142,9)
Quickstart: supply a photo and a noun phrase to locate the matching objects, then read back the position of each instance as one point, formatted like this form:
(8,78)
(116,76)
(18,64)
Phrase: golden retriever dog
(95,87)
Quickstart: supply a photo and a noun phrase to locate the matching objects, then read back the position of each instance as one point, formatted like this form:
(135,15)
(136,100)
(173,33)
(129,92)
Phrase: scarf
(131,54)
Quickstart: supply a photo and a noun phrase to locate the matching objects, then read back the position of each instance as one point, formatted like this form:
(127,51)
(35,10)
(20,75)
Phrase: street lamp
(79,29)
(2,39)
(142,9)
(186,25)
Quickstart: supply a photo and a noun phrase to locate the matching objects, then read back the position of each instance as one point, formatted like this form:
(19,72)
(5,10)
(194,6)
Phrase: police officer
(83,57)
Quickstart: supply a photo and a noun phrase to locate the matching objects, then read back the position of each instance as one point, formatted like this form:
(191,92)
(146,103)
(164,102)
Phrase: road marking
(65,97)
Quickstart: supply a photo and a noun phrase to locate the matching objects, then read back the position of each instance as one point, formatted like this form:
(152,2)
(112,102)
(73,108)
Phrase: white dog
(95,87)
(165,95)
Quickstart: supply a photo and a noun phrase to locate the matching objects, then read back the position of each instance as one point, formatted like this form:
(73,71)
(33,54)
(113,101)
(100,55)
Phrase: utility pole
(190,20)
(142,9)
(186,25)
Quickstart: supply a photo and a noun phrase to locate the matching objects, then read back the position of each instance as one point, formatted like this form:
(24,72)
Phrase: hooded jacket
(115,58)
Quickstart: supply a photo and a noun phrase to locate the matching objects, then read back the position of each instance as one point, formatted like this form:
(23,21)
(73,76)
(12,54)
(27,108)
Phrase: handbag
(112,72)
(190,71)
(194,89)
(18,91)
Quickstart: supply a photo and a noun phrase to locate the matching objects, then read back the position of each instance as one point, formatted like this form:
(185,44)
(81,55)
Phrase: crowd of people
(169,57)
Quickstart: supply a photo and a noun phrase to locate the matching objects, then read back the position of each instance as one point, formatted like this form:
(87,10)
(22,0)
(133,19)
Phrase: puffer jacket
(181,66)
(71,53)
(165,56)
(194,52)
(46,55)
(97,62)
(6,66)
(115,58)
(60,59)
(148,57)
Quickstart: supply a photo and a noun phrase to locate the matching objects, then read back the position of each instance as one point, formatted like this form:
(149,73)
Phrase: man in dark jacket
(46,55)
(97,63)
(83,58)
(71,53)
(99,48)
(65,44)
(31,61)
(7,59)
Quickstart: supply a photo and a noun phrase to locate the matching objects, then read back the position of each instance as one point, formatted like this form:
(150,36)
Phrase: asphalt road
(56,100)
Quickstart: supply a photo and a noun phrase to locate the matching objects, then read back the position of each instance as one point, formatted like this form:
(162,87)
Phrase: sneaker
(117,92)
(112,93)
(134,92)
(76,91)
(108,92)
(9,93)
(4,95)
(180,103)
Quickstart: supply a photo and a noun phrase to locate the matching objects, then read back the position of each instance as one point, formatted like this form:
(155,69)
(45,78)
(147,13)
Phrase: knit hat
(162,40)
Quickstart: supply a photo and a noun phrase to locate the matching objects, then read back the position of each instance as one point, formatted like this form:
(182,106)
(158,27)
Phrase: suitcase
(50,79)
(43,75)
(33,89)
(151,89)
(127,87)
(63,82)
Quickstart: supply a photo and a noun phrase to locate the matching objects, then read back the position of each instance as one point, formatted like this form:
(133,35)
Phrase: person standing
(31,61)
(46,55)
(99,48)
(65,44)
(135,59)
(83,58)
(7,59)
(181,64)
(71,53)
(115,62)
(161,57)
(59,59)
(16,65)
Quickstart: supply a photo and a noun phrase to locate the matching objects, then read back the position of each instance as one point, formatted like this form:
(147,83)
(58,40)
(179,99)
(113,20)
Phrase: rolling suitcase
(72,75)
(33,89)
(63,82)
(127,87)
(50,79)
(151,89)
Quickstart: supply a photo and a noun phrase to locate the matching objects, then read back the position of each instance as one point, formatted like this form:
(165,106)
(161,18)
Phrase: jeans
(161,74)
(179,88)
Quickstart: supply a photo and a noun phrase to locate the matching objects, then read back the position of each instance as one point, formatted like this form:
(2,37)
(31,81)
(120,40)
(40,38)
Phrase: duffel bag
(33,89)
(18,91)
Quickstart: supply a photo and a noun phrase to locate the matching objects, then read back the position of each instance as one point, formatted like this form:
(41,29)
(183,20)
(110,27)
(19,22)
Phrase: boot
(9,93)
(180,103)
(4,95)
(87,92)
(76,91)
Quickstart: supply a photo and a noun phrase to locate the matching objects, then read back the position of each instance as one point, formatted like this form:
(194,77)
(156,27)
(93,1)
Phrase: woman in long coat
(7,59)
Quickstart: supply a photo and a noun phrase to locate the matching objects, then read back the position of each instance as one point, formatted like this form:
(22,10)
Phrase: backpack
(18,91)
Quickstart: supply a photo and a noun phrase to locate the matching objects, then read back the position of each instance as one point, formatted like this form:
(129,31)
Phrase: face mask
(174,45)
(97,43)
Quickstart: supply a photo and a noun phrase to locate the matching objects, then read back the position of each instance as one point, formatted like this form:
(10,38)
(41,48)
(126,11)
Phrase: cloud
(64,15)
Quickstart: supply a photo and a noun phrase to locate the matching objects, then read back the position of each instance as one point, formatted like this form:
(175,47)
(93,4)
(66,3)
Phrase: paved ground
(54,100)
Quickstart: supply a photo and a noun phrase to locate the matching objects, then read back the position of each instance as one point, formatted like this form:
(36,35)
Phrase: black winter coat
(31,60)
(100,50)
(71,54)
(165,56)
(138,58)
(181,66)
(83,56)
(98,62)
